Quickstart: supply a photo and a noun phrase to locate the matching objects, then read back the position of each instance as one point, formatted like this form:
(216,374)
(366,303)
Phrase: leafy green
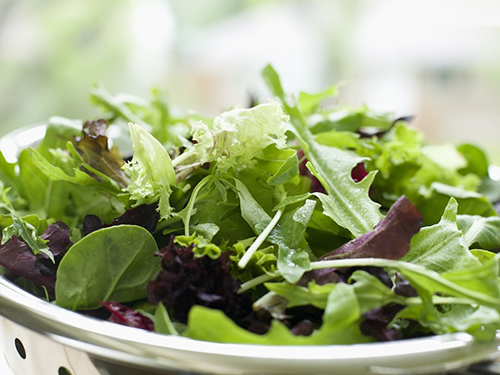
(347,202)
(23,229)
(298,221)
(114,263)
(151,172)
(441,247)
(483,231)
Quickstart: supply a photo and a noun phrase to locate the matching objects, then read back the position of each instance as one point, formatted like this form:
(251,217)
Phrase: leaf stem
(438,300)
(257,281)
(260,239)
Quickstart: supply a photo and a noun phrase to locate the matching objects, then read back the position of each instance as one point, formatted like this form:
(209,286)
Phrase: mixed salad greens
(297,221)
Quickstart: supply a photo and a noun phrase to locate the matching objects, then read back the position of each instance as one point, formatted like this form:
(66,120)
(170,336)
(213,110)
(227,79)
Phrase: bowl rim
(131,345)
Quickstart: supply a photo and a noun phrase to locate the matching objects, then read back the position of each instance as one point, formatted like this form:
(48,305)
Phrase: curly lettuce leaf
(236,137)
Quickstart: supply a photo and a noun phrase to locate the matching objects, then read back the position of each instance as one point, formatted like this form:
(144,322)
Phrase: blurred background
(436,59)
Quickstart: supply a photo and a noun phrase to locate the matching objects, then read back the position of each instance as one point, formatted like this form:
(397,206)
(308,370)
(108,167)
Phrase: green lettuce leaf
(151,172)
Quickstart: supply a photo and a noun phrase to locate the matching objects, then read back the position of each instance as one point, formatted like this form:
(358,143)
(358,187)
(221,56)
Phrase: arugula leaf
(54,173)
(293,254)
(347,202)
(441,247)
(484,231)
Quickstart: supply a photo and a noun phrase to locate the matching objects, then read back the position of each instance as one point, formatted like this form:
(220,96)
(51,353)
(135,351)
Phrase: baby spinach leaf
(114,263)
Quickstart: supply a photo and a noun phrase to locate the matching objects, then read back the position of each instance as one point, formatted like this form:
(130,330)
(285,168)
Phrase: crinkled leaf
(237,136)
(186,280)
(199,245)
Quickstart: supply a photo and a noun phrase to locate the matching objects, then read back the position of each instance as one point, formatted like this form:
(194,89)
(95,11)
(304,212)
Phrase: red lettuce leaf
(145,216)
(124,315)
(16,256)
(187,280)
(390,239)
(376,323)
(94,150)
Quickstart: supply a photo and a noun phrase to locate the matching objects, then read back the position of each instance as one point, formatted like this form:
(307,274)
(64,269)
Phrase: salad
(297,221)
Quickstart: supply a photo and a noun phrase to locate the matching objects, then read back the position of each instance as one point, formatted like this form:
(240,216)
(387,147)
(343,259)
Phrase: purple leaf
(316,186)
(16,256)
(94,150)
(376,323)
(186,281)
(145,216)
(359,172)
(124,315)
(390,239)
